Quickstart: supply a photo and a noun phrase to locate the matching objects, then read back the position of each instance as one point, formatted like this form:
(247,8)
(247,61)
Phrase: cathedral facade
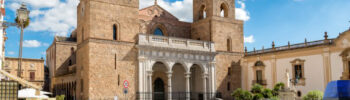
(160,56)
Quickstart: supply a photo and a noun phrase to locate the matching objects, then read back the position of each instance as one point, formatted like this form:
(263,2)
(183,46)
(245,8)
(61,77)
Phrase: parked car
(337,90)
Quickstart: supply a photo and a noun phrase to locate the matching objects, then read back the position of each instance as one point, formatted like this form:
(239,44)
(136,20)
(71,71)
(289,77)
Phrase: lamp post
(22,17)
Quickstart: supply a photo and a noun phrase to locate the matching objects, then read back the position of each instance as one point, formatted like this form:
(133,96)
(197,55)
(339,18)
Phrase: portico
(174,68)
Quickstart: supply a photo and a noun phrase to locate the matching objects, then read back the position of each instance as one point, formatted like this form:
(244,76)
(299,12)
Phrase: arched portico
(187,73)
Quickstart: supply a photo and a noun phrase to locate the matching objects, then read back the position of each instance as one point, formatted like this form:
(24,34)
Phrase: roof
(292,47)
(25,58)
(63,39)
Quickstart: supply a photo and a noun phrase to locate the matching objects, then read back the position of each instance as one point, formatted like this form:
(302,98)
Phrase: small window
(299,93)
(202,12)
(229,45)
(70,63)
(223,10)
(228,86)
(229,71)
(32,76)
(159,32)
(115,32)
(118,80)
(82,34)
(259,78)
(298,71)
(82,85)
(349,66)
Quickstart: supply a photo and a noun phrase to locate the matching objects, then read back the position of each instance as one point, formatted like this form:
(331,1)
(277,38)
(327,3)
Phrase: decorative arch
(160,27)
(201,66)
(202,12)
(224,8)
(160,61)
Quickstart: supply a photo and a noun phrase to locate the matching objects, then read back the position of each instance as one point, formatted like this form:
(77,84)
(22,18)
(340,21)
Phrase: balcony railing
(261,82)
(176,95)
(293,46)
(176,43)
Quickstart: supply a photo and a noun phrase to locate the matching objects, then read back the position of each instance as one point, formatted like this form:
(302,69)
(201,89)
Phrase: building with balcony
(32,69)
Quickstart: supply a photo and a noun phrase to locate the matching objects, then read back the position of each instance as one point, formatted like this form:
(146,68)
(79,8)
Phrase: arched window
(223,10)
(115,32)
(159,32)
(202,12)
(229,44)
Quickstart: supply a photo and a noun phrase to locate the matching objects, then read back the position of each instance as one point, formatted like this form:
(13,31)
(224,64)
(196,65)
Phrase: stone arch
(161,27)
(201,66)
(160,61)
(202,12)
(224,8)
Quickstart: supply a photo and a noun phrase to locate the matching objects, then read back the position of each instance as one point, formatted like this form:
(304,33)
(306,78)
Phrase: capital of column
(149,73)
(187,75)
(204,76)
(169,74)
(142,58)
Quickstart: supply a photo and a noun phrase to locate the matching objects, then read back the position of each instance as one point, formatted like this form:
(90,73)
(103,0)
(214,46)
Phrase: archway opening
(178,81)
(159,90)
(202,12)
(223,10)
(196,82)
(159,85)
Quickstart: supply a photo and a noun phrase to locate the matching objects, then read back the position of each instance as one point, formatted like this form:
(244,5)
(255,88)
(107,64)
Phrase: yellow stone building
(310,65)
(32,69)
(164,58)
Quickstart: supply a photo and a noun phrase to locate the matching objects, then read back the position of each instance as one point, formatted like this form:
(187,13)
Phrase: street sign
(126,84)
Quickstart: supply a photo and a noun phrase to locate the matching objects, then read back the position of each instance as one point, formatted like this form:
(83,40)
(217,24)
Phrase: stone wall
(224,62)
(106,61)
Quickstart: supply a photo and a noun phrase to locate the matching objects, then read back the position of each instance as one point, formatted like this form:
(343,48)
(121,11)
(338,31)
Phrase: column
(169,74)
(141,77)
(187,76)
(150,85)
(204,86)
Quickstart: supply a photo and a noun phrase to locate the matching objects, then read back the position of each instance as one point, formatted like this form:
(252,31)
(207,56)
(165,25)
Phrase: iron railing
(177,95)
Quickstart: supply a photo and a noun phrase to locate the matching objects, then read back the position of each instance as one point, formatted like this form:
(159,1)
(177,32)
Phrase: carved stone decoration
(301,80)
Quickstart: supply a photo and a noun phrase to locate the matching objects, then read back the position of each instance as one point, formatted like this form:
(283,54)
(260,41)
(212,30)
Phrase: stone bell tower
(106,35)
(100,18)
(214,20)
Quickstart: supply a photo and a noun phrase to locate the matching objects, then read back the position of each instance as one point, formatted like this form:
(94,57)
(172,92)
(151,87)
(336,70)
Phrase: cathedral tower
(106,34)
(214,20)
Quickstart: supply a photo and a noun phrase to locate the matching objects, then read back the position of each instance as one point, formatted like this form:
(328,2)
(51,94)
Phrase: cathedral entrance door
(159,89)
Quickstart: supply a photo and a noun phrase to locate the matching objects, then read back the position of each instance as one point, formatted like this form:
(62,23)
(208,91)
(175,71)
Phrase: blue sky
(265,21)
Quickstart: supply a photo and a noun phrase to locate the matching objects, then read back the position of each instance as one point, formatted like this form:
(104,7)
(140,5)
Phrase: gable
(154,11)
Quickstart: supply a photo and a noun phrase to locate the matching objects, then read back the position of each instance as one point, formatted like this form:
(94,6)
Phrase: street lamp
(22,17)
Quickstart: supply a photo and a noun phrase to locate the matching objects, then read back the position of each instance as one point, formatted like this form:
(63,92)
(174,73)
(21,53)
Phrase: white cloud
(46,44)
(54,16)
(184,11)
(43,53)
(11,53)
(249,39)
(31,43)
(242,13)
(60,17)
